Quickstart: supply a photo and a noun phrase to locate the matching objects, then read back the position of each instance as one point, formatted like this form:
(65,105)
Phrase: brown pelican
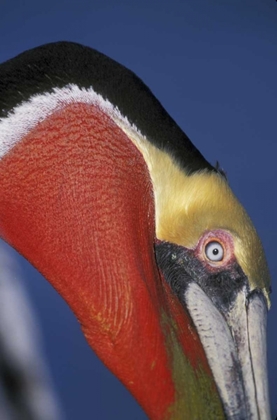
(105,195)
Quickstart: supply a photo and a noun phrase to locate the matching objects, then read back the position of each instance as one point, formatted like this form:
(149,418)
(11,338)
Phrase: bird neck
(76,201)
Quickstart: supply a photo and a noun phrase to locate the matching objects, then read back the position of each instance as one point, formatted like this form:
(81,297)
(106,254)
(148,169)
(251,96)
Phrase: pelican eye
(214,251)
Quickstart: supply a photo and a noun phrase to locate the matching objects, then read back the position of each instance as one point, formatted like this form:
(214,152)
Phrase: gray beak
(235,345)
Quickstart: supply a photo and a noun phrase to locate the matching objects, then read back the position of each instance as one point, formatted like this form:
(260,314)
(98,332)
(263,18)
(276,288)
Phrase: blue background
(213,65)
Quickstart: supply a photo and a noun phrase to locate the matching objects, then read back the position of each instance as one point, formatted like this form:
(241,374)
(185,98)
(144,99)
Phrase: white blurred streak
(26,391)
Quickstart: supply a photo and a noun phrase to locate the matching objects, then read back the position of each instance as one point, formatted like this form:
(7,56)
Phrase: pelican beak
(231,322)
(235,346)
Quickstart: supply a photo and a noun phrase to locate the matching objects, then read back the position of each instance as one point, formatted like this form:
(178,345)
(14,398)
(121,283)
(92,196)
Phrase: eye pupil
(215,251)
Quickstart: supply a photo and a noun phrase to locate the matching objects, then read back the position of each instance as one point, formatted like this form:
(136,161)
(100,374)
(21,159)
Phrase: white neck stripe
(27,115)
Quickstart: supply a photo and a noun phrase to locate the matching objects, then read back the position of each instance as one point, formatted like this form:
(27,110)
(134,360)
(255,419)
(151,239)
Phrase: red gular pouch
(76,200)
